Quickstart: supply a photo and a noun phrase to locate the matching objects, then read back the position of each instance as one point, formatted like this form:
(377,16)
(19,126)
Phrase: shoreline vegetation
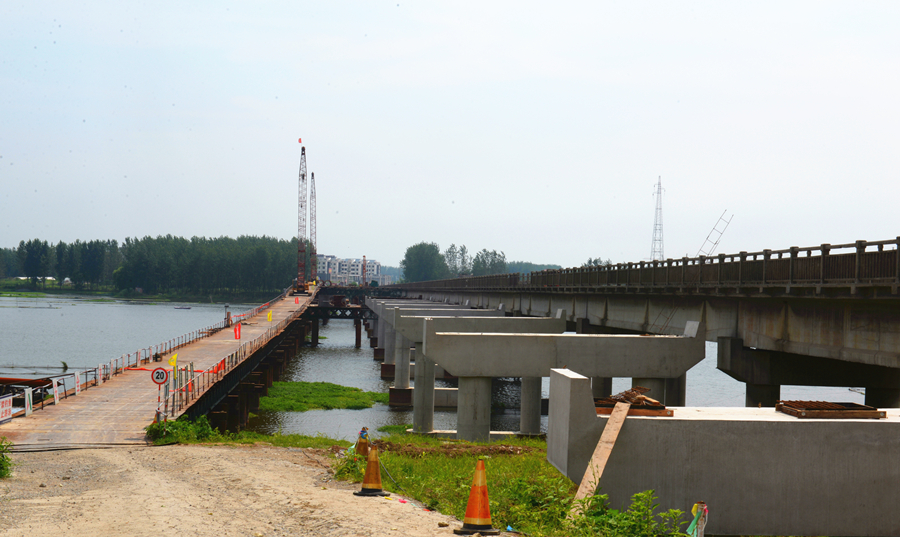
(14,288)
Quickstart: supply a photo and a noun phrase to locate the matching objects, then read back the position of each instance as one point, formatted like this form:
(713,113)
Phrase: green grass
(303,396)
(395,429)
(184,431)
(526,492)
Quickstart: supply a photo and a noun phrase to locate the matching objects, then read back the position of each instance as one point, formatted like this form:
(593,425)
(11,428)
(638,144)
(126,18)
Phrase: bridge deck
(117,411)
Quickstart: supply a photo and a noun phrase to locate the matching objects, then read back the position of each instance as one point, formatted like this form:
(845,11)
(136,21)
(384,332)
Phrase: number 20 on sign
(160,376)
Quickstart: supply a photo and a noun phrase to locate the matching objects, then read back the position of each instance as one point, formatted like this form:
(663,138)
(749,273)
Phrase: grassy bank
(526,492)
(12,287)
(303,396)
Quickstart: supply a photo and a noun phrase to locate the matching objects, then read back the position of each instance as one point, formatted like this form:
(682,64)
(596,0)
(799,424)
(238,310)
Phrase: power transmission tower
(656,249)
(301,222)
(313,260)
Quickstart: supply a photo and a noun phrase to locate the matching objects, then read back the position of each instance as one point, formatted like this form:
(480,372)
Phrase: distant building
(345,271)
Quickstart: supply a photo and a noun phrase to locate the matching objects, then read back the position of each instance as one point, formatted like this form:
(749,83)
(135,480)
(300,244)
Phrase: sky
(535,129)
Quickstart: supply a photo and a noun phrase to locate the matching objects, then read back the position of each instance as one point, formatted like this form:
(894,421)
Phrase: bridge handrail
(189,384)
(860,267)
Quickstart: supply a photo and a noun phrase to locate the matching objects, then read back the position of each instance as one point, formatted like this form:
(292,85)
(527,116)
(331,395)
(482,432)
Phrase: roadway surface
(117,411)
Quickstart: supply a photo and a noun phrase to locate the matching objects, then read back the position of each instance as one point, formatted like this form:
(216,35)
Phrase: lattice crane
(313,260)
(300,285)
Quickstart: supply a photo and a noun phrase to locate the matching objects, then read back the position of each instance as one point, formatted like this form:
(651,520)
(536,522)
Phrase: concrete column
(357,326)
(314,339)
(390,340)
(473,415)
(882,397)
(531,406)
(762,395)
(657,387)
(379,332)
(676,391)
(601,387)
(423,393)
(401,361)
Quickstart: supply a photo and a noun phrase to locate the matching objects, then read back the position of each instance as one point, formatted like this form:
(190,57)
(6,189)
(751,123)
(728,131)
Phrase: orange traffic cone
(362,444)
(372,481)
(478,512)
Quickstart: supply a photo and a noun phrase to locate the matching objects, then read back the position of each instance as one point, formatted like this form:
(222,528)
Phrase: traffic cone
(362,444)
(372,481)
(478,512)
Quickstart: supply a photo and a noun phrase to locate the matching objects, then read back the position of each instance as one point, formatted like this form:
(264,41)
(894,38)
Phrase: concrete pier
(474,410)
(414,326)
(651,360)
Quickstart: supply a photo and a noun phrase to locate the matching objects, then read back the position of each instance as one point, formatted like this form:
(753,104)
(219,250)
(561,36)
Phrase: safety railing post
(860,251)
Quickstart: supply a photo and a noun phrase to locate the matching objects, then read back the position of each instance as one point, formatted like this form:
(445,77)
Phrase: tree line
(425,261)
(163,264)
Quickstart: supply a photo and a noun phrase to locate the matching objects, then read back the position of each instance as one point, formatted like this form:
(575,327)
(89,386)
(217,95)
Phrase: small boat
(182,307)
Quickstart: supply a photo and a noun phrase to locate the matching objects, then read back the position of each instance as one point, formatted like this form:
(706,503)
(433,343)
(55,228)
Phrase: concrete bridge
(826,315)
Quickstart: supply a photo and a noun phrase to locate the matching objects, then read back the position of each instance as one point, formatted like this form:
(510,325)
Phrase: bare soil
(198,490)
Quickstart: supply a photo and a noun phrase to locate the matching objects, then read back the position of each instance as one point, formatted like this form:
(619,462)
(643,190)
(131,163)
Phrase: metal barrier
(869,264)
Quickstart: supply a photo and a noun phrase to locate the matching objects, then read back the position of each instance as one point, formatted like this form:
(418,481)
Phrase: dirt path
(196,490)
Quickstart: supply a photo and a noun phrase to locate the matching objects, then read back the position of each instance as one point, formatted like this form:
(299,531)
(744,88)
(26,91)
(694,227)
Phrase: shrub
(5,461)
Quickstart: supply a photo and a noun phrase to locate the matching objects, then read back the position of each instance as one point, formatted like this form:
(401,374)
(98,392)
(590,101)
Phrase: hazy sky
(538,129)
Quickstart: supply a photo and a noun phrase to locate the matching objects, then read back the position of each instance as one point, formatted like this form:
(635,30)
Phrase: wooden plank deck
(117,411)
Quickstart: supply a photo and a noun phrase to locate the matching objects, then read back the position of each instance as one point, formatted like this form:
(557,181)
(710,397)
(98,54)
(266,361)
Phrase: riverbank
(12,287)
(234,490)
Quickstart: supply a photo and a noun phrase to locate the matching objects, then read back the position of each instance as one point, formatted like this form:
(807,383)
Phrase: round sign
(160,375)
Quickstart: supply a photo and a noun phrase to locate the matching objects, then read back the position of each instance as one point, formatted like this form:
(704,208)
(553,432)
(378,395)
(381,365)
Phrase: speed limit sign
(160,375)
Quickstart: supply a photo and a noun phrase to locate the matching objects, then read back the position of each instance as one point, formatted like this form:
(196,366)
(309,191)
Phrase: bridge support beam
(357,326)
(314,338)
(765,371)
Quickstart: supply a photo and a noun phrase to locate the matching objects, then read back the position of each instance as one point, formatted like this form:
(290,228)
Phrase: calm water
(37,334)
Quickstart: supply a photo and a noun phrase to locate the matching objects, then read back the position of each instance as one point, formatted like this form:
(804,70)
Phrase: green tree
(34,259)
(459,262)
(598,262)
(526,266)
(424,262)
(489,262)
(62,263)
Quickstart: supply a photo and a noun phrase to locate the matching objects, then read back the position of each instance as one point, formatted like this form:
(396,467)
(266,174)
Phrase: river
(37,334)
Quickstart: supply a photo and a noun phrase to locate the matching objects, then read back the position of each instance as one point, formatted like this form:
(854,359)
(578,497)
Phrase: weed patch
(303,396)
(526,492)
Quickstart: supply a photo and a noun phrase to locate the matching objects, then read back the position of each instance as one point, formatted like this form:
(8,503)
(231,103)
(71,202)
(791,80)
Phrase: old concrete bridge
(825,315)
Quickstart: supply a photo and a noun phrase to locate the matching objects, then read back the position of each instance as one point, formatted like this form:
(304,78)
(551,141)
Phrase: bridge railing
(861,264)
(187,385)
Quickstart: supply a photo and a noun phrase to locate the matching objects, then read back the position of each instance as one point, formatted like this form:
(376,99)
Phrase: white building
(346,271)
